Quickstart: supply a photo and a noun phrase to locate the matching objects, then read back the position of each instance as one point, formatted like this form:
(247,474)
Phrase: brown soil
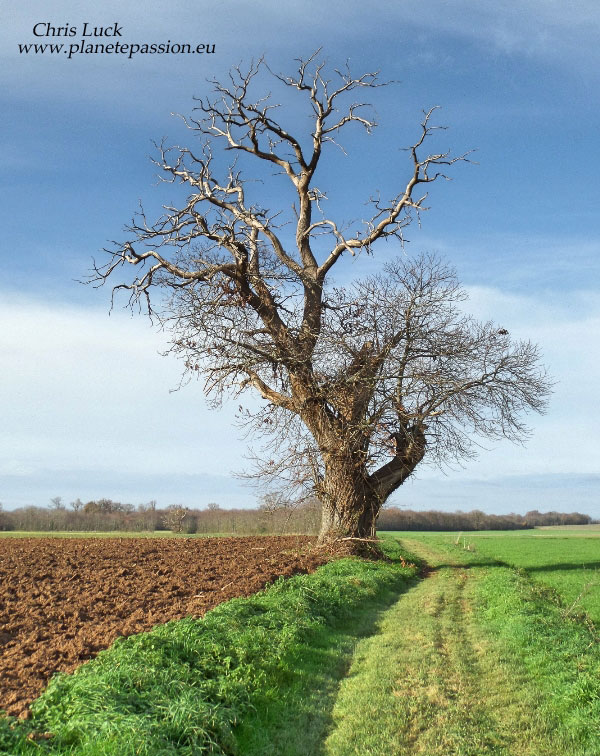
(64,599)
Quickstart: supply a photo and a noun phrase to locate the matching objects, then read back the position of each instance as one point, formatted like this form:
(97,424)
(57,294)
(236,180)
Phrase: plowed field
(62,600)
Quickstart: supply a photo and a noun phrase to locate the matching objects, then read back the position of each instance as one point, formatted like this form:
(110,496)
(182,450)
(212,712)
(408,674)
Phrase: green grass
(557,656)
(416,686)
(271,662)
(589,529)
(568,564)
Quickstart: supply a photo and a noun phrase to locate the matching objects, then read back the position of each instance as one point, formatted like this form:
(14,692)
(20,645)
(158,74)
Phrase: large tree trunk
(344,520)
(350,504)
(352,498)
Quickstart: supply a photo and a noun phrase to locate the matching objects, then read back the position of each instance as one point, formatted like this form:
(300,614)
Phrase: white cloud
(504,494)
(538,297)
(566,328)
(80,390)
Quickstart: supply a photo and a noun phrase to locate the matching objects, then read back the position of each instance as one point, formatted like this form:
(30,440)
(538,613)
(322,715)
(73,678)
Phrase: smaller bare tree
(174,518)
(57,503)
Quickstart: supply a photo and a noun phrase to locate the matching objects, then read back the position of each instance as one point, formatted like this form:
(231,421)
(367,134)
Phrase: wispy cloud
(544,29)
(566,264)
(504,494)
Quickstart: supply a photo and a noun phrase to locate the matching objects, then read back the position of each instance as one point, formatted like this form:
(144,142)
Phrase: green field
(565,559)
(481,648)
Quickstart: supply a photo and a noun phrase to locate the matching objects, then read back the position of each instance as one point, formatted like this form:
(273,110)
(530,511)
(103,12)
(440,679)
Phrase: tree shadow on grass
(564,566)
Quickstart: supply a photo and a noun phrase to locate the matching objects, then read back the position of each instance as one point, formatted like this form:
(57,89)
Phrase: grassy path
(431,682)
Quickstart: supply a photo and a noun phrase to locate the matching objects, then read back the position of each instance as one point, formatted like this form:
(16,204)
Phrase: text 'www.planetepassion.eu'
(101,40)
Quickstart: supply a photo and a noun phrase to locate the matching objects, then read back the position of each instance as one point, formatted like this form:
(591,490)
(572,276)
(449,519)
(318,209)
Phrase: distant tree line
(393,518)
(106,515)
(273,516)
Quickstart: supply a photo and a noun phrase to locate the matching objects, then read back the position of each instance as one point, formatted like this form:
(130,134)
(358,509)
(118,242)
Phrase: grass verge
(240,674)
(568,561)
(558,655)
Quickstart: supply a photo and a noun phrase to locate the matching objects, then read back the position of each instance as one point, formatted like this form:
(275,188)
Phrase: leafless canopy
(357,381)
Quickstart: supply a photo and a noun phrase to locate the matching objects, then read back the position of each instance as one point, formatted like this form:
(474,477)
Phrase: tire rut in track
(429,666)
(451,690)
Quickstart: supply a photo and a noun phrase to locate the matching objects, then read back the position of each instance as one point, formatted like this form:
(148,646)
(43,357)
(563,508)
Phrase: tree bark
(350,504)
(343,521)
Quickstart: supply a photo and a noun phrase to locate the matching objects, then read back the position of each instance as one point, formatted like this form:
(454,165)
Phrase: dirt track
(64,599)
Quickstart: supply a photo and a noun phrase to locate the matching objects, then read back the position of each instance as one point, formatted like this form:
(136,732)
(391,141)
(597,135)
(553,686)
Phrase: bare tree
(57,503)
(360,382)
(174,518)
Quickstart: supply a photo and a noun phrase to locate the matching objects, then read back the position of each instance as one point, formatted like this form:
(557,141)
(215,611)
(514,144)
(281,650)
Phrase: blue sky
(85,398)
